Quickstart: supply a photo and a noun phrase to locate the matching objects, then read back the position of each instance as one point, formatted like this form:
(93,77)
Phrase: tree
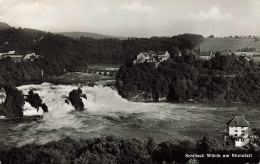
(206,145)
(13,105)
(211,36)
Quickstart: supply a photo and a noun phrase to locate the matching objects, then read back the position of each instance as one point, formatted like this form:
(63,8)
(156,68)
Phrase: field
(256,59)
(233,44)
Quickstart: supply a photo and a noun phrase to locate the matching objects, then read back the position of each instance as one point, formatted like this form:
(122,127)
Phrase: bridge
(104,72)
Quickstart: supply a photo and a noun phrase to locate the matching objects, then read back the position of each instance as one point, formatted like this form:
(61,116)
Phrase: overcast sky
(139,18)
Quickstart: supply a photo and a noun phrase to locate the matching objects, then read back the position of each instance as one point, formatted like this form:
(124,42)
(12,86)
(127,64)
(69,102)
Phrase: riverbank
(75,78)
(112,149)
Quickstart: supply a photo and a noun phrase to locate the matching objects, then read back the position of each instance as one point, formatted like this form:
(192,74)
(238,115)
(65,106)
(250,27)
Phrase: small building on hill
(12,54)
(238,132)
(152,57)
(2,95)
(31,56)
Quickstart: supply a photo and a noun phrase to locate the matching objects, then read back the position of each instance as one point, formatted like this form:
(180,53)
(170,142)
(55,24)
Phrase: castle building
(238,131)
(152,57)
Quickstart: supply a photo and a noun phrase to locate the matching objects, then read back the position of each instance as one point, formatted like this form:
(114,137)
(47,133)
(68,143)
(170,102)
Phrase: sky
(136,18)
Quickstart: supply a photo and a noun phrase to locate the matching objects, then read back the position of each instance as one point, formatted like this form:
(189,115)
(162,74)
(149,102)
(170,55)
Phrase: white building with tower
(238,131)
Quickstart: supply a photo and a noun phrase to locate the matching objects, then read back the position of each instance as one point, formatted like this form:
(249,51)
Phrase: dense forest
(61,54)
(225,78)
(113,149)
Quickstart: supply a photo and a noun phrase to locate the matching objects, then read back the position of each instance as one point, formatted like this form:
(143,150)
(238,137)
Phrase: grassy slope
(76,78)
(4,26)
(222,44)
(77,35)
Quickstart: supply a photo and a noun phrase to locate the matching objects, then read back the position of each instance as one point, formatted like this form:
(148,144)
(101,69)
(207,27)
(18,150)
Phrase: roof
(238,121)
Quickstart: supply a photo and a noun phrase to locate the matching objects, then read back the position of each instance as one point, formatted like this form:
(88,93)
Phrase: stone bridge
(104,72)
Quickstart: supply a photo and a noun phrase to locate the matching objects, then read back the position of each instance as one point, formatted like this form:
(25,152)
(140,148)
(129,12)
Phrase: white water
(108,113)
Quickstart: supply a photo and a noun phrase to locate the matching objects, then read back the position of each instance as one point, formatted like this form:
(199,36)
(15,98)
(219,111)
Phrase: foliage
(247,49)
(113,149)
(13,105)
(256,131)
(60,54)
(223,78)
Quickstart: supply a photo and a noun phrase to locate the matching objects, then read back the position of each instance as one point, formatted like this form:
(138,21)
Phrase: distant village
(160,56)
(18,57)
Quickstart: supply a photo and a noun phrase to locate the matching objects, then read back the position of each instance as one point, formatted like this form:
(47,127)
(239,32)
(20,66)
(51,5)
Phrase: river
(107,113)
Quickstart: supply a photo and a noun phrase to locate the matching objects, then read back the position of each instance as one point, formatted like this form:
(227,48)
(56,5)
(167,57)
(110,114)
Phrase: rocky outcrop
(75,97)
(35,101)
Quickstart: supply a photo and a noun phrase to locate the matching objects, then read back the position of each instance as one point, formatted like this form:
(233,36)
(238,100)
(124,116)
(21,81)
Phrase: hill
(4,26)
(222,44)
(77,35)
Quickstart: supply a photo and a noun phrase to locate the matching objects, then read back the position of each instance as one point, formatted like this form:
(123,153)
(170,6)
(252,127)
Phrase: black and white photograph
(129,81)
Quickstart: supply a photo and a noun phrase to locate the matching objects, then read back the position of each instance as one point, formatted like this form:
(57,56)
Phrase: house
(225,53)
(145,57)
(31,56)
(2,95)
(152,57)
(206,55)
(15,57)
(162,55)
(238,131)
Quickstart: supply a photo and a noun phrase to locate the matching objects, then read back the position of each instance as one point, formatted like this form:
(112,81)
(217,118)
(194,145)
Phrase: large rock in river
(75,99)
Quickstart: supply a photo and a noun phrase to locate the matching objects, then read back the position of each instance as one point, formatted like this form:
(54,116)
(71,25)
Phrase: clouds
(213,13)
(136,6)
(143,18)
